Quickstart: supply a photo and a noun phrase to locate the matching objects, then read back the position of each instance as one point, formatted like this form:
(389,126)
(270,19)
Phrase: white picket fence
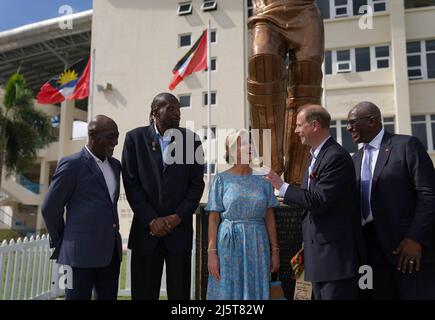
(27,273)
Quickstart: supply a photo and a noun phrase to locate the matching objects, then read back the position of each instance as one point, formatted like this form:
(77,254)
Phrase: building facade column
(400,67)
(66,127)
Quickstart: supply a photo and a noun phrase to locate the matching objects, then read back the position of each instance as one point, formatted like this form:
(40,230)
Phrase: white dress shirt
(376,145)
(314,155)
(109,175)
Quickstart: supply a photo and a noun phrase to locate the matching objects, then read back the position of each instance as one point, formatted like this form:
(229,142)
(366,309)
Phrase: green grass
(8,234)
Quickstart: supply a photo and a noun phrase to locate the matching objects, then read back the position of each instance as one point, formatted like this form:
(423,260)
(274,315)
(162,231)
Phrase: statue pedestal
(288,225)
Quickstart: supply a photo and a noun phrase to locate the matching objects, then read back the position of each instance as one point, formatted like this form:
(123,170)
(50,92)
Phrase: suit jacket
(402,194)
(157,190)
(88,237)
(329,216)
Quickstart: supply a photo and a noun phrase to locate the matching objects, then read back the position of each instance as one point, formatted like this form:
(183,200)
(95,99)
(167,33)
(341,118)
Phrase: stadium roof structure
(43,50)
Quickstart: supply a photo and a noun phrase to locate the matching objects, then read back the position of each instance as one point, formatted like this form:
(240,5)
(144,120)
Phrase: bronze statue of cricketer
(280,28)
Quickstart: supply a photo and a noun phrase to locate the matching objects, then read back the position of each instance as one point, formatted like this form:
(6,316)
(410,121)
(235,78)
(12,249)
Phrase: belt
(228,229)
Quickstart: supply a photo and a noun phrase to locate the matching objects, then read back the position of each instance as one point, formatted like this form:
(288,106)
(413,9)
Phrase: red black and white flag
(72,84)
(194,60)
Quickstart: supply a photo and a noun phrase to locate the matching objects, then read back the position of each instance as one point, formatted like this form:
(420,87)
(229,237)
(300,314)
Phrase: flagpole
(91,89)
(209,103)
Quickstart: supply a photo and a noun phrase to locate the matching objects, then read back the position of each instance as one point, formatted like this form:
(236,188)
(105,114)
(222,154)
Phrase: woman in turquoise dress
(242,248)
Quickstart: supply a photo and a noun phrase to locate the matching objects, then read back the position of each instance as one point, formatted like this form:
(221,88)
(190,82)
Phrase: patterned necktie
(366,177)
(312,160)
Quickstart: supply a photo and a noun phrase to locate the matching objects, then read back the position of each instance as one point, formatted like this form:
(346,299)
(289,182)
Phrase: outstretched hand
(274,179)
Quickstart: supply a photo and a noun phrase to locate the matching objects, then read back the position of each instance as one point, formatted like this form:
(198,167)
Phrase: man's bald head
(103,136)
(366,109)
(99,123)
(364,122)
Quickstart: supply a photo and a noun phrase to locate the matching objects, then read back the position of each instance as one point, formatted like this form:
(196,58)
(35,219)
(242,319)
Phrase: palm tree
(23,129)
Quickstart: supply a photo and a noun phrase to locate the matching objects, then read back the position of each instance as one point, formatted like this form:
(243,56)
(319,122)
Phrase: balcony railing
(29,185)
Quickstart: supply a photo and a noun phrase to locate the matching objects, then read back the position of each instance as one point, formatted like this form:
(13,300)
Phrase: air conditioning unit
(209,5)
(184,8)
(344,67)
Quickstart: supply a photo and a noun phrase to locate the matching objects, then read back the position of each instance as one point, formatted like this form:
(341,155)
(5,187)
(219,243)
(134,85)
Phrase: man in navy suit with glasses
(396,183)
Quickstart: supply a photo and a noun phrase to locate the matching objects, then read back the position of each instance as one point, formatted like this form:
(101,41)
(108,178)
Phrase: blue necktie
(366,177)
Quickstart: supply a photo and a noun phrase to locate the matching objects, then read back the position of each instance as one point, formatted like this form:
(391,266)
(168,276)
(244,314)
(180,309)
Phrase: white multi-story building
(383,53)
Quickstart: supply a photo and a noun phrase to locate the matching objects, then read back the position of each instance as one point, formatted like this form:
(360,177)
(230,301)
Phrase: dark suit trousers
(391,284)
(346,289)
(103,280)
(146,274)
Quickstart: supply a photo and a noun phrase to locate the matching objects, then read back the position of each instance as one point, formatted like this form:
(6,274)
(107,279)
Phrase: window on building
(330,9)
(213,65)
(357,59)
(324,8)
(184,8)
(357,4)
(213,99)
(389,124)
(430,58)
(184,40)
(382,57)
(250,8)
(209,5)
(362,59)
(410,4)
(378,5)
(328,62)
(343,61)
(340,8)
(79,129)
(213,38)
(421,59)
(342,136)
(413,52)
(184,100)
(205,132)
(213,147)
(423,128)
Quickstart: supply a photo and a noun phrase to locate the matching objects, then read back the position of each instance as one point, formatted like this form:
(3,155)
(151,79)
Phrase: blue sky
(16,13)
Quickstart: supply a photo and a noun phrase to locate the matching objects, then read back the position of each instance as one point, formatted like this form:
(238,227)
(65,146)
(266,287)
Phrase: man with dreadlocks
(163,196)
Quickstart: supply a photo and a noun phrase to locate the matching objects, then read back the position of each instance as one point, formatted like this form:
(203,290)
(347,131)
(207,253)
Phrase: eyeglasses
(354,121)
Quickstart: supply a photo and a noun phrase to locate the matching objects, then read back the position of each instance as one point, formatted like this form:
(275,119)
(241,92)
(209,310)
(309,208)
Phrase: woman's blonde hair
(231,144)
